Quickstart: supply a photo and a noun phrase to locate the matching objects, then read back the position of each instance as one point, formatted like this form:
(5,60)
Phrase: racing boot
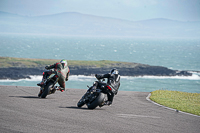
(105,103)
(108,103)
(60,89)
(41,83)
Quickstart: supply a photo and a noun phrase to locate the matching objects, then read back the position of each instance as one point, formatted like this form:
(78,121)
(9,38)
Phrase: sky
(133,10)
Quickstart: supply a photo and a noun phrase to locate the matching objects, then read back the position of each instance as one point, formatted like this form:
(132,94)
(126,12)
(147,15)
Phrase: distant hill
(72,23)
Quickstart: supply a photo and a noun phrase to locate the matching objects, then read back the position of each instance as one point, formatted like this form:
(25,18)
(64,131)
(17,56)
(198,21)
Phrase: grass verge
(183,101)
(31,63)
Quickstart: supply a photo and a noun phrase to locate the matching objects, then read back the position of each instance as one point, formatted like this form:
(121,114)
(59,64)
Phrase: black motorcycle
(93,97)
(50,79)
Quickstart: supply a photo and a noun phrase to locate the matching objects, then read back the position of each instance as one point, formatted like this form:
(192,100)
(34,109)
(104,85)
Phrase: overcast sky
(134,10)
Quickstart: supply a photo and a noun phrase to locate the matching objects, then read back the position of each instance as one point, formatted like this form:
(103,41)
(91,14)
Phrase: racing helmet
(63,62)
(114,71)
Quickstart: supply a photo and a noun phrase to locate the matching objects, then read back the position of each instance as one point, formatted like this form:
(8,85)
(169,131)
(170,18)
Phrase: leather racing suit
(112,85)
(62,71)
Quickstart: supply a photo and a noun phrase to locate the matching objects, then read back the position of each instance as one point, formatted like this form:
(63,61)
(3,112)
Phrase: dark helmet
(114,71)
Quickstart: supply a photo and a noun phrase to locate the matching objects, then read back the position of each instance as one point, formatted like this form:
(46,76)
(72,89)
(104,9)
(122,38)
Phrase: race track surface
(22,111)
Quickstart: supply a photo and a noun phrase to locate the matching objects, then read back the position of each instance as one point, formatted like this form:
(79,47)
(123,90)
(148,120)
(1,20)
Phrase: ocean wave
(32,78)
(193,77)
(92,78)
(81,78)
(39,78)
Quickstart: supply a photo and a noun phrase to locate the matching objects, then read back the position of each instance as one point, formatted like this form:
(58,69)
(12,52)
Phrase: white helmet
(63,62)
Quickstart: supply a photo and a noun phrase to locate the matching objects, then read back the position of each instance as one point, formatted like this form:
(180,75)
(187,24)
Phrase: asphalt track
(22,111)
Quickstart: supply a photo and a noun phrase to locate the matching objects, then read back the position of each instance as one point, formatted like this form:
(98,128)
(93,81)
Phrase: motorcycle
(93,97)
(49,79)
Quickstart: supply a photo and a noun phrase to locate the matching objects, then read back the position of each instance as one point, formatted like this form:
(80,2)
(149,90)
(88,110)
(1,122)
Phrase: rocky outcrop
(19,73)
(138,70)
(132,71)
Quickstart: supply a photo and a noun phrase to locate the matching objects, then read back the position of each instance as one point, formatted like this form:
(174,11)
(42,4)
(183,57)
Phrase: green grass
(23,62)
(183,101)
(30,63)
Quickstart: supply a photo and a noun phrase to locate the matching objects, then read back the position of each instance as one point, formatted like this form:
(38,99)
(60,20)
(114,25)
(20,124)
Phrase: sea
(173,53)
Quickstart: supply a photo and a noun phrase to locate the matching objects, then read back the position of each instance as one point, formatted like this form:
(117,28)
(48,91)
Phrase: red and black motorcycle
(48,85)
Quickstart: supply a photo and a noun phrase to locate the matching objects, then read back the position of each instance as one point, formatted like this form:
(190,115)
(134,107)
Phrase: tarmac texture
(22,111)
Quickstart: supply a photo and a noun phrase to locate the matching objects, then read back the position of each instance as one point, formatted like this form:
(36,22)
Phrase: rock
(138,70)
(18,73)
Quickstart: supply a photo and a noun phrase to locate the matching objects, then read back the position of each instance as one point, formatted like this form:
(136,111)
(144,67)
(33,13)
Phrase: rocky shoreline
(140,70)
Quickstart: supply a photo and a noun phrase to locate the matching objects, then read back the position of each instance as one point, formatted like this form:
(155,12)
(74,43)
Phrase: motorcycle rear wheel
(96,102)
(47,89)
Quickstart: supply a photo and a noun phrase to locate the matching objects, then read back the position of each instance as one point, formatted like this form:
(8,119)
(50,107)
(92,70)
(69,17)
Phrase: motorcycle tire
(96,102)
(46,90)
(80,103)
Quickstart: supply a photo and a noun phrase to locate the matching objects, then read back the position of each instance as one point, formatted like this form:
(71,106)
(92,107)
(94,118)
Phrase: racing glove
(46,67)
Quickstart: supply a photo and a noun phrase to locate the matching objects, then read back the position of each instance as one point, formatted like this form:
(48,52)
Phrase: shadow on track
(74,107)
(82,108)
(26,97)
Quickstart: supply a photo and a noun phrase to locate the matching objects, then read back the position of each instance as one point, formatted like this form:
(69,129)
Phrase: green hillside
(6,62)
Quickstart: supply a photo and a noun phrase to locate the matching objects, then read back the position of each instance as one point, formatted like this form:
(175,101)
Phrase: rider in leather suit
(62,70)
(112,85)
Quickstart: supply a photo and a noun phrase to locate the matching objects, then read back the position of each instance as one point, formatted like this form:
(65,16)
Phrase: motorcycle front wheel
(80,103)
(47,89)
(96,102)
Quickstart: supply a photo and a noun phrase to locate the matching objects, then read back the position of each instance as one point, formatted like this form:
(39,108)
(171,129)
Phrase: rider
(112,85)
(62,70)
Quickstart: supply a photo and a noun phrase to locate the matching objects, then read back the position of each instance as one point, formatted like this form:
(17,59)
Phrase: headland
(19,68)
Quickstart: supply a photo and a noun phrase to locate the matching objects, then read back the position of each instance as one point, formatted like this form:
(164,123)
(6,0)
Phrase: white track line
(136,116)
